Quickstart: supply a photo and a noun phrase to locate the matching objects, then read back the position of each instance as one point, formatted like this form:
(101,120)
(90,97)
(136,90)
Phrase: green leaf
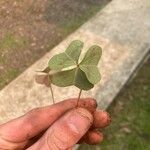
(71,77)
(92,56)
(60,61)
(92,73)
(69,58)
(89,64)
(85,75)
(74,50)
(81,80)
(63,78)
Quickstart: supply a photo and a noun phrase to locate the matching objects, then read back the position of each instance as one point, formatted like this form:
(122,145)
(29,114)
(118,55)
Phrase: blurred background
(29,29)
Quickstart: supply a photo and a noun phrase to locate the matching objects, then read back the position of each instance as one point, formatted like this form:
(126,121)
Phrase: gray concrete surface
(122,29)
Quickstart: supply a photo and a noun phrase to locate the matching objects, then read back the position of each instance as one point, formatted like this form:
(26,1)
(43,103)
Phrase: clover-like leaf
(92,56)
(89,64)
(74,50)
(92,73)
(71,77)
(69,58)
(63,78)
(61,61)
(81,80)
(85,75)
(65,70)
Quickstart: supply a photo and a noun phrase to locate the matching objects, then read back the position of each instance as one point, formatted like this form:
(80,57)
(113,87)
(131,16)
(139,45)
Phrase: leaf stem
(78,98)
(51,89)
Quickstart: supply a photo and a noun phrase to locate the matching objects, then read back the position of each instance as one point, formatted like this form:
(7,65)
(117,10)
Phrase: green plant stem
(51,89)
(79,98)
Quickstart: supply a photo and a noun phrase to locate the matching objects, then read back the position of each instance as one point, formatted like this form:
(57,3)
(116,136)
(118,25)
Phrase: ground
(130,127)
(28,29)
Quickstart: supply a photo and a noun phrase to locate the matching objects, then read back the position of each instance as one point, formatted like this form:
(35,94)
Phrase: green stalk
(51,89)
(78,98)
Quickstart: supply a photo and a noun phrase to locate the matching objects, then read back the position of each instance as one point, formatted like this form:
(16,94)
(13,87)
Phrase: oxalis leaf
(89,64)
(81,81)
(71,77)
(92,73)
(83,75)
(60,61)
(69,58)
(92,56)
(74,50)
(63,78)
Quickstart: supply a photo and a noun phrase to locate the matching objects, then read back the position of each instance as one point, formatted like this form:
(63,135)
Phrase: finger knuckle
(31,120)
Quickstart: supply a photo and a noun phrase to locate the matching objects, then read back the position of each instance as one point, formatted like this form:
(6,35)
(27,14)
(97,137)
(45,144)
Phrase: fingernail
(80,120)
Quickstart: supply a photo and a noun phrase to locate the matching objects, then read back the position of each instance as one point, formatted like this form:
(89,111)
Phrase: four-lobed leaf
(84,75)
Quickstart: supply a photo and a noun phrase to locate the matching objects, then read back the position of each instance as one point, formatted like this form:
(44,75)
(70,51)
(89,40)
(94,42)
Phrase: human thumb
(66,132)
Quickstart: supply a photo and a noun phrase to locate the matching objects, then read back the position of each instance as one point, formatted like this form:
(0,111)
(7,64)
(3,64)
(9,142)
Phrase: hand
(59,126)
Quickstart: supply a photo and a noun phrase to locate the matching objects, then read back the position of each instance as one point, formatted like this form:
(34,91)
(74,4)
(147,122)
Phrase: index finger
(39,119)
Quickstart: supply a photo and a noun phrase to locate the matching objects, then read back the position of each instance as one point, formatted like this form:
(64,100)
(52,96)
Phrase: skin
(56,127)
